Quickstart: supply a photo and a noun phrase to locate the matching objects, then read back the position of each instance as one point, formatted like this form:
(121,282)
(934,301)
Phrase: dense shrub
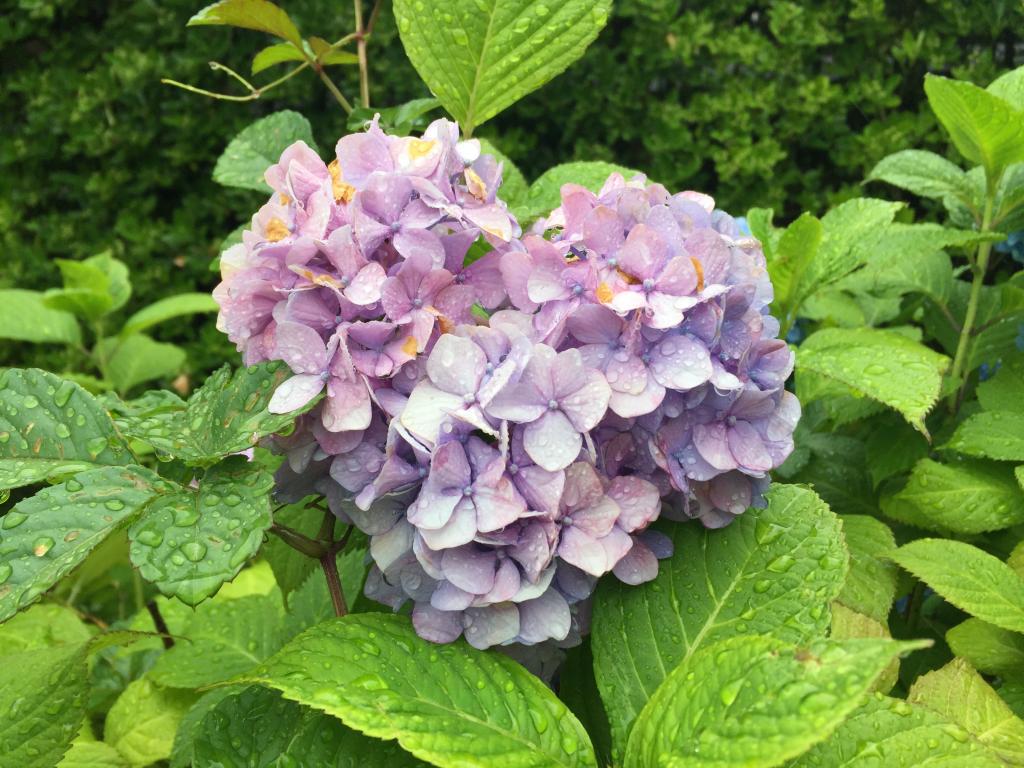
(817,93)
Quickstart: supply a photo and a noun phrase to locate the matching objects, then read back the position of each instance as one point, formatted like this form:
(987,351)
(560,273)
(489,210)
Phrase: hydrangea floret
(506,427)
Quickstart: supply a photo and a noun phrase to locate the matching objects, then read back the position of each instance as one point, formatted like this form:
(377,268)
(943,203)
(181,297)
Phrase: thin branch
(364,75)
(254,93)
(217,66)
(160,624)
(335,91)
(373,19)
(330,566)
(299,542)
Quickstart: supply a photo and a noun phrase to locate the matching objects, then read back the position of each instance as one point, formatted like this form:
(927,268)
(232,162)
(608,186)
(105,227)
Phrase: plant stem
(160,624)
(297,541)
(330,566)
(364,75)
(335,92)
(979,266)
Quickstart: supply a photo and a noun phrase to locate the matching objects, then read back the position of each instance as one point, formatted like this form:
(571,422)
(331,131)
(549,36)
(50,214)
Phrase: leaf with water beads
(191,542)
(49,426)
(45,536)
(447,704)
(755,701)
(773,571)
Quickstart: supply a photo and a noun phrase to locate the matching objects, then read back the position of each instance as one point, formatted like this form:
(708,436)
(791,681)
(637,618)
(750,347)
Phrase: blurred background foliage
(780,104)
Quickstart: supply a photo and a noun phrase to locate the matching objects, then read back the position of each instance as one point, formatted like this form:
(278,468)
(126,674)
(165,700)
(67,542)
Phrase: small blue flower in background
(797,332)
(1013,245)
(1020,337)
(987,371)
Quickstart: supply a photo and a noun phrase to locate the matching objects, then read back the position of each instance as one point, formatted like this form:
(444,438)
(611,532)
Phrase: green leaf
(870,585)
(92,754)
(142,722)
(923,173)
(291,567)
(401,120)
(577,687)
(836,470)
(131,360)
(167,309)
(191,542)
(985,129)
(892,448)
(447,704)
(966,497)
(546,192)
(93,287)
(993,435)
(996,342)
(480,57)
(183,751)
(959,694)
(1010,87)
(797,247)
(969,578)
(45,536)
(42,626)
(848,624)
(277,53)
(845,228)
(514,190)
(885,366)
(1005,390)
(328,56)
(37,413)
(258,147)
(894,734)
(1009,203)
(225,638)
(988,648)
(25,317)
(755,701)
(760,222)
(227,415)
(260,15)
(773,571)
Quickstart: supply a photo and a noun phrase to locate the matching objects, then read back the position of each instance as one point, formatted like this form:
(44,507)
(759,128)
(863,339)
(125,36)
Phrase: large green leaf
(986,129)
(261,15)
(890,733)
(1005,390)
(258,147)
(42,626)
(447,704)
(923,173)
(45,536)
(142,722)
(848,624)
(969,578)
(87,753)
(892,448)
(24,317)
(183,751)
(959,694)
(167,309)
(49,426)
(993,650)
(545,194)
(191,542)
(992,435)
(773,571)
(225,638)
(796,249)
(228,414)
(480,56)
(1010,87)
(965,497)
(845,228)
(755,701)
(131,360)
(256,727)
(93,287)
(883,365)
(870,586)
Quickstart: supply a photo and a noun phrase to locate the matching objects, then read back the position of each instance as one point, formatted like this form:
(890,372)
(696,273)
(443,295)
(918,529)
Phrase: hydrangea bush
(492,485)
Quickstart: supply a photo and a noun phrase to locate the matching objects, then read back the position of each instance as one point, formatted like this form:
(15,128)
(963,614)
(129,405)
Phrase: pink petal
(295,393)
(712,443)
(301,347)
(552,441)
(587,405)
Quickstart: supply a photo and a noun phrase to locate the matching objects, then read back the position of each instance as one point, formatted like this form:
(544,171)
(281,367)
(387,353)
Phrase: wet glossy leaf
(260,15)
(142,722)
(773,571)
(258,147)
(923,173)
(545,192)
(870,586)
(992,435)
(755,701)
(24,317)
(447,704)
(45,536)
(49,426)
(42,626)
(988,648)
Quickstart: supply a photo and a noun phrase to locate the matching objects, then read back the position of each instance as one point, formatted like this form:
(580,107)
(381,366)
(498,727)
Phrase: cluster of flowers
(505,415)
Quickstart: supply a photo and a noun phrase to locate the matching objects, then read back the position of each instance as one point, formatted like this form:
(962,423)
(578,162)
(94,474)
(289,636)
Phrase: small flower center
(395,226)
(552,404)
(649,284)
(325,376)
(469,398)
(345,280)
(577,289)
(613,262)
(731,421)
(513,469)
(467,491)
(337,319)
(417,302)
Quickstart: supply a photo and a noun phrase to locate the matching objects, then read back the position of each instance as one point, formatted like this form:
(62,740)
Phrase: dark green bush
(782,103)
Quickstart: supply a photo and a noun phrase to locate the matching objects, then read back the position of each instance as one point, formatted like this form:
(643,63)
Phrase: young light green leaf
(845,228)
(760,222)
(988,648)
(773,571)
(755,701)
(966,497)
(142,722)
(93,287)
(328,55)
(42,626)
(870,585)
(447,704)
(969,578)
(258,147)
(993,435)
(959,694)
(49,426)
(25,317)
(167,309)
(225,638)
(985,129)
(45,536)
(278,53)
(797,247)
(88,753)
(546,191)
(894,734)
(923,173)
(131,360)
(480,57)
(883,365)
(1010,87)
(848,624)
(260,15)
(191,542)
